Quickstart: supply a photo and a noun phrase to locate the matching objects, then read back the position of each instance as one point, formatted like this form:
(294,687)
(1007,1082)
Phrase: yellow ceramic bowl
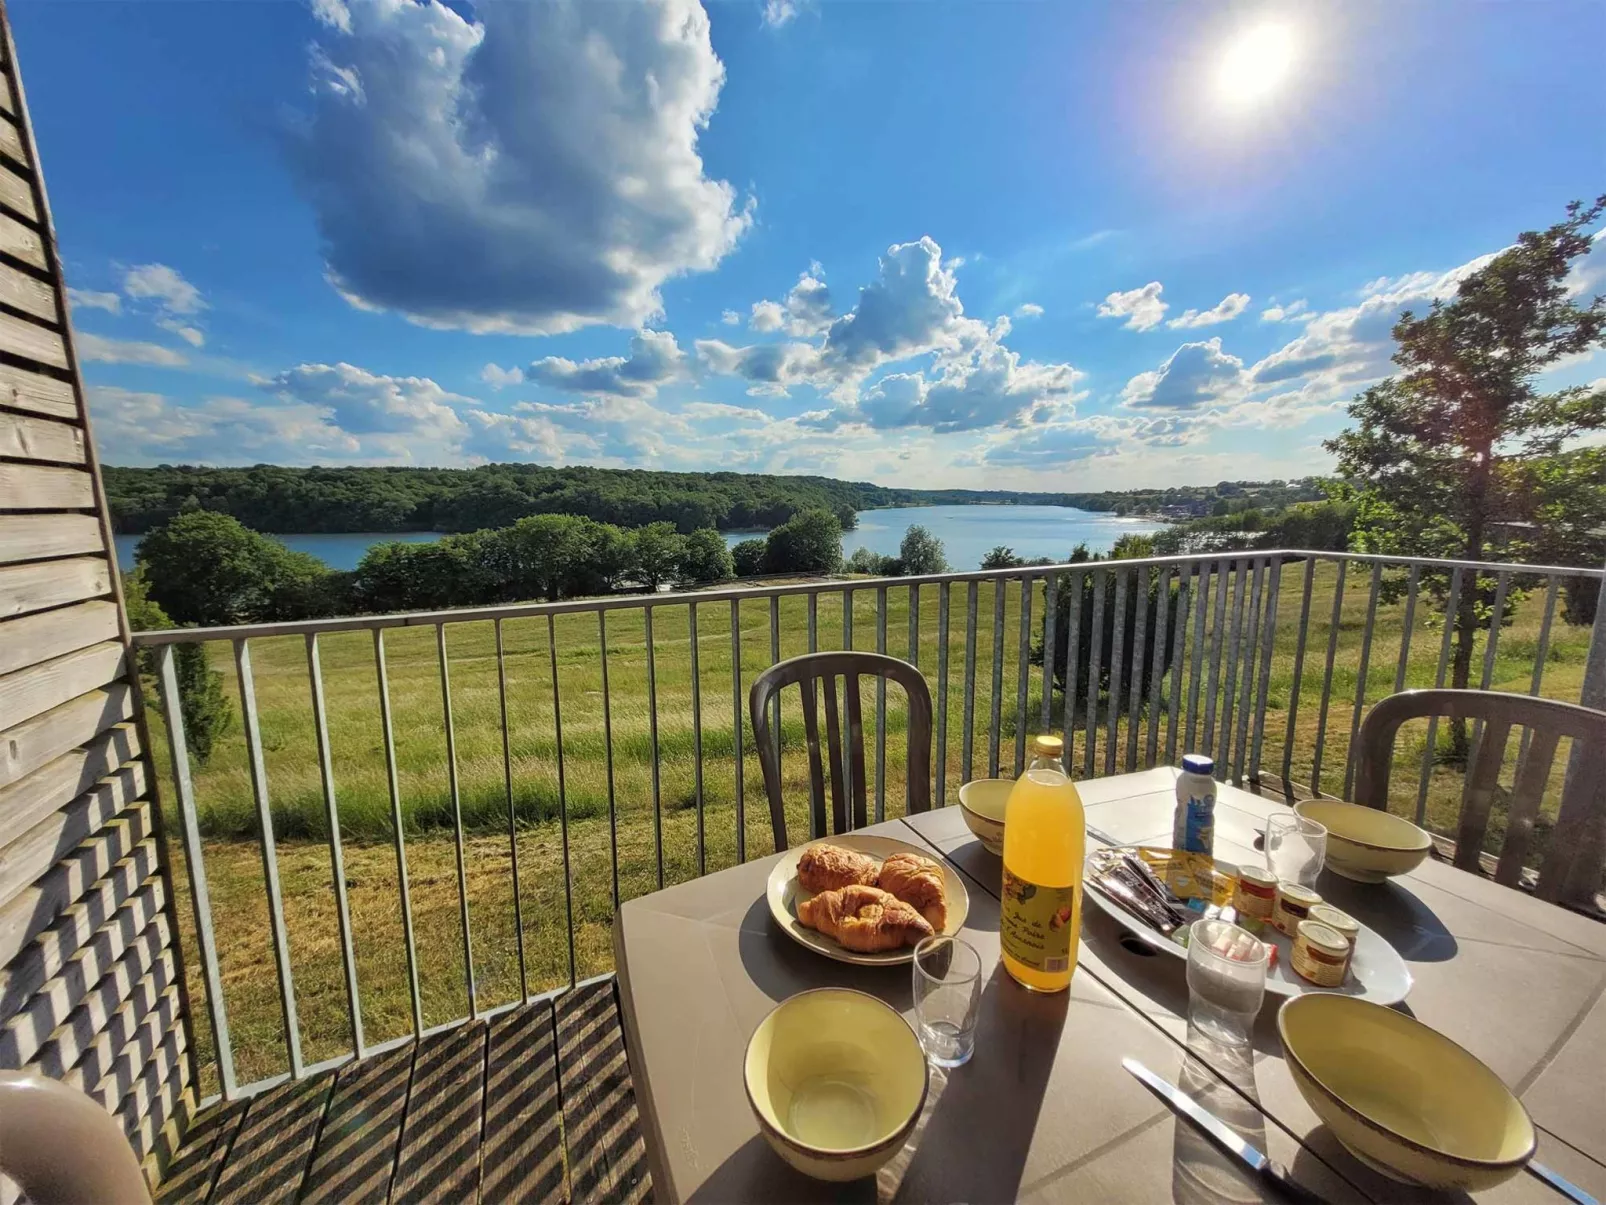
(1367,844)
(1403,1098)
(837,1080)
(982,800)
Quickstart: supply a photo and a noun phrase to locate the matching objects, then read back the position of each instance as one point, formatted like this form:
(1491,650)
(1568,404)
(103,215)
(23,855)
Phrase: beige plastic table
(1044,1111)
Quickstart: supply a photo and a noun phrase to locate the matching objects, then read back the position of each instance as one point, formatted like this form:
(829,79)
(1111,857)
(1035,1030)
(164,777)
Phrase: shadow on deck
(535,1104)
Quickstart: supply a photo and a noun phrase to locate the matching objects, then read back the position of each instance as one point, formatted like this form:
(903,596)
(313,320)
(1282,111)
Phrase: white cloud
(409,418)
(123,351)
(1225,310)
(190,334)
(768,368)
(1050,447)
(1285,313)
(88,299)
(159,283)
(767,316)
(1142,308)
(806,312)
(1029,309)
(779,12)
(1194,376)
(730,318)
(654,359)
(498,377)
(149,428)
(534,172)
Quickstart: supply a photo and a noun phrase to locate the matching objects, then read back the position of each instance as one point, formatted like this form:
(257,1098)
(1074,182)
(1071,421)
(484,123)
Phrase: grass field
(659,831)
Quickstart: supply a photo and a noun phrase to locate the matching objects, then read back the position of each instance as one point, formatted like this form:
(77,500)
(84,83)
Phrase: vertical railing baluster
(1229,686)
(607,752)
(1187,582)
(942,695)
(1117,658)
(1360,677)
(1073,652)
(1333,626)
(1218,640)
(996,710)
(1095,654)
(697,739)
(337,860)
(1155,695)
(512,819)
(652,735)
(200,898)
(1050,620)
(1251,648)
(1541,654)
(563,796)
(1430,749)
(1407,628)
(1491,643)
(814,621)
(1023,663)
(1142,581)
(269,851)
(1268,648)
(914,660)
(775,657)
(847,619)
(736,728)
(1196,665)
(393,783)
(969,747)
(1299,675)
(880,708)
(456,804)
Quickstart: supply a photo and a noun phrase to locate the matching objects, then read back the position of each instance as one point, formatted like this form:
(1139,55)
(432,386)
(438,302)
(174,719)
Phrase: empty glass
(947,984)
(1226,980)
(1295,848)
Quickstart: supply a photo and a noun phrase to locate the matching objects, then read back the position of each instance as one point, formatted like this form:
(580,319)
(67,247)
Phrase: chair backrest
(62,1148)
(1548,721)
(844,738)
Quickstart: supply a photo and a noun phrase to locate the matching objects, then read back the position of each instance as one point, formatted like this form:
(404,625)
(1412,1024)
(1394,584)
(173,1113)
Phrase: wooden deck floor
(534,1105)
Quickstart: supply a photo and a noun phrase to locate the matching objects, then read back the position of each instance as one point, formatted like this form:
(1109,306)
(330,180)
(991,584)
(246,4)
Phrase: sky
(1022,246)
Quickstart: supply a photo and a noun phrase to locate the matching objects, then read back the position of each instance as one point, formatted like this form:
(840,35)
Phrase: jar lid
(1198,763)
(1298,893)
(1046,744)
(1334,918)
(1323,937)
(1256,877)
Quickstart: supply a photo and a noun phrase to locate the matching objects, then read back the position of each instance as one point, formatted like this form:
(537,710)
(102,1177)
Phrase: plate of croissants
(865,899)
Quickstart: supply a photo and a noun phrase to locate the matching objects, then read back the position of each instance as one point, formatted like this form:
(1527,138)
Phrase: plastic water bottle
(1193,827)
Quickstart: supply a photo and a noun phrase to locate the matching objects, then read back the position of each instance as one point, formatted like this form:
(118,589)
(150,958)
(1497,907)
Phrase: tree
(809,542)
(706,557)
(747,556)
(613,555)
(921,552)
(209,569)
(1462,441)
(1131,546)
(659,552)
(847,516)
(1001,557)
(203,706)
(873,564)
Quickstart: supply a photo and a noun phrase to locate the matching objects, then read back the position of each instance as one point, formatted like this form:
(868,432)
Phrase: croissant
(826,867)
(917,882)
(864,919)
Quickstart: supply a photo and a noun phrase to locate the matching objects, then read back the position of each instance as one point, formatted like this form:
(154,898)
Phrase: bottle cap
(1198,763)
(1046,744)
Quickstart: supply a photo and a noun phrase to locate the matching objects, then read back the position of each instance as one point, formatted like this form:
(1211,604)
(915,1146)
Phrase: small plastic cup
(1295,849)
(947,989)
(1226,980)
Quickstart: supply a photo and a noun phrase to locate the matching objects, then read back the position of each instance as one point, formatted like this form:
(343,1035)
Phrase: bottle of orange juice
(1044,835)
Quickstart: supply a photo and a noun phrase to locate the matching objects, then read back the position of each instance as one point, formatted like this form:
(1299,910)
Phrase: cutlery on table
(1560,1183)
(1271,1173)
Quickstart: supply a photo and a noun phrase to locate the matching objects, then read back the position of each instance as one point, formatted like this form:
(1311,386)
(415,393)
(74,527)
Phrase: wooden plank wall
(92,991)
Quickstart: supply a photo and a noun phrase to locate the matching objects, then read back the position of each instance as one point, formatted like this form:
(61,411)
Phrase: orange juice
(1045,832)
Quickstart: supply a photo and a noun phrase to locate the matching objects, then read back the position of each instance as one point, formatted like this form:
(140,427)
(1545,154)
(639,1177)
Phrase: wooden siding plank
(356,1152)
(42,584)
(44,487)
(440,1148)
(37,638)
(132,1036)
(27,293)
(38,849)
(17,239)
(34,537)
(25,803)
(71,879)
(24,389)
(161,1129)
(41,740)
(11,141)
(16,194)
(23,437)
(522,1158)
(207,1143)
(607,1160)
(33,691)
(27,339)
(270,1155)
(7,104)
(144,1099)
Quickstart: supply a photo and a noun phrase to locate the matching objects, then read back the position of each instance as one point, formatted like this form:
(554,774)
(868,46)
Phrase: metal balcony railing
(603,740)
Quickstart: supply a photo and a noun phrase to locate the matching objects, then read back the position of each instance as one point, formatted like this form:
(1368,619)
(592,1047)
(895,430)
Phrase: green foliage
(205,708)
(1132,546)
(847,516)
(1322,526)
(921,552)
(1001,557)
(659,552)
(209,569)
(809,543)
(747,556)
(705,557)
(1084,603)
(873,564)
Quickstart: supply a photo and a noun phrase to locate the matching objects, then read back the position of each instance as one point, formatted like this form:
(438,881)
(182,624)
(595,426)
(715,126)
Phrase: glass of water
(1295,848)
(1226,980)
(947,984)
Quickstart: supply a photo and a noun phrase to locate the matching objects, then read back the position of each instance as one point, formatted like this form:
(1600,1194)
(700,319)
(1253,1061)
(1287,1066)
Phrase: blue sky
(1030,246)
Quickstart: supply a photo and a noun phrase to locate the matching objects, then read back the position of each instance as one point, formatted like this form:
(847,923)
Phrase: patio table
(1044,1111)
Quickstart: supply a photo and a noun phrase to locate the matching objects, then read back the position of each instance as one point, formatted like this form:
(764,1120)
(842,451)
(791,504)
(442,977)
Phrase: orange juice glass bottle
(1045,832)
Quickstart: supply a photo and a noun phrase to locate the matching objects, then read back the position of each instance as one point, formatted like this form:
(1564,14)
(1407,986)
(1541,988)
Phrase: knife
(1271,1173)
(1561,1184)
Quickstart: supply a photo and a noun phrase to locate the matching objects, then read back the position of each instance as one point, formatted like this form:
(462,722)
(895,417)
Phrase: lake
(967,533)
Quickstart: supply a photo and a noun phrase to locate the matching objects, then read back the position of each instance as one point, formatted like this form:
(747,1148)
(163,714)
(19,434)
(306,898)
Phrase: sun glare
(1254,63)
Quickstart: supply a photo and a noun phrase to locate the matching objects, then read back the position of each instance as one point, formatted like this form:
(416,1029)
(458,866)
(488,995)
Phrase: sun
(1255,63)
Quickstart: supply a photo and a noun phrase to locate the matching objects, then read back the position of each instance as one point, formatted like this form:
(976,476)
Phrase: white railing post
(1583,797)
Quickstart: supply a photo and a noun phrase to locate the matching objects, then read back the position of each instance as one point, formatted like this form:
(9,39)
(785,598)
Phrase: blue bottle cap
(1198,763)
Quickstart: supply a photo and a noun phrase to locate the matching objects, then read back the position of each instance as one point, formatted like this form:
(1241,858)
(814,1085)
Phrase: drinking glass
(947,983)
(1226,980)
(1295,848)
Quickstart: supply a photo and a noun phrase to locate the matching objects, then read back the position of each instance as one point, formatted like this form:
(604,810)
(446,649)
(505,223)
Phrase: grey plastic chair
(62,1148)
(845,749)
(1580,828)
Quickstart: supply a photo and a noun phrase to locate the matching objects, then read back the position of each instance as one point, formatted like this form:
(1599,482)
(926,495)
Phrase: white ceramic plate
(1377,972)
(784,894)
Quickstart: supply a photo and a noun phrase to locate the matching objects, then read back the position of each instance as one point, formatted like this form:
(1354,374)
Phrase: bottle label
(1199,827)
(1036,926)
